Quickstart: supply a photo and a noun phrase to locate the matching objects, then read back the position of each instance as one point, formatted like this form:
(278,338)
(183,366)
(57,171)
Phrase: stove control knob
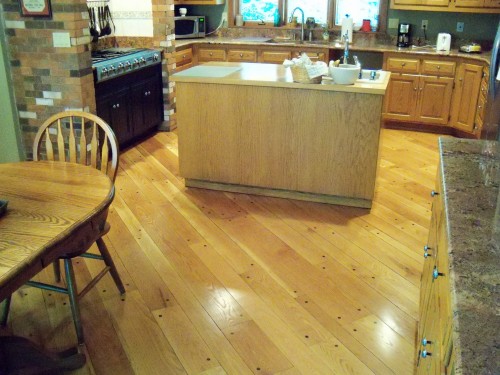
(111,69)
(156,57)
(135,63)
(104,72)
(142,61)
(120,67)
(128,65)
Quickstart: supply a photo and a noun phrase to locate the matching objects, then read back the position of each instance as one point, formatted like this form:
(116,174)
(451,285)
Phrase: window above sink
(261,13)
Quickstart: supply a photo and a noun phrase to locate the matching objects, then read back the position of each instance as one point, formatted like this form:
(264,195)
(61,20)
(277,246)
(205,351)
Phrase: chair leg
(5,310)
(109,262)
(57,270)
(73,299)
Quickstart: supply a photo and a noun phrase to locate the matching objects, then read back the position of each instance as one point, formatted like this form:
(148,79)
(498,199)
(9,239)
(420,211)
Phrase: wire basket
(301,75)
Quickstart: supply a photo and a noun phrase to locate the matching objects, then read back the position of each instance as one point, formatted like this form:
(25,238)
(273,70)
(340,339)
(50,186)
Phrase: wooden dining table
(53,208)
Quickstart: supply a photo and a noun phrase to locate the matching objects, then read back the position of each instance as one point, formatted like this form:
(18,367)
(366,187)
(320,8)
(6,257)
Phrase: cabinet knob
(434,193)
(415,89)
(425,354)
(403,64)
(426,251)
(438,67)
(425,341)
(183,56)
(241,55)
(436,273)
(211,53)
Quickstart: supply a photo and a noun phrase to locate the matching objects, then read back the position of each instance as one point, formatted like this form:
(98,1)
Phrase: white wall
(132,17)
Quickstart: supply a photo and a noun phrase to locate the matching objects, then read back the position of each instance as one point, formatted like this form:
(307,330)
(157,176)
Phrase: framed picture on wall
(35,8)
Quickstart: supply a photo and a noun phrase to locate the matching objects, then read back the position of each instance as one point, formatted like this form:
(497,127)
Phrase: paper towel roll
(347,25)
(239,20)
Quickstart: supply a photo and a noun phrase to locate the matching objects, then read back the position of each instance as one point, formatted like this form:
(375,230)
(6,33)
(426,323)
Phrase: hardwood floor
(221,283)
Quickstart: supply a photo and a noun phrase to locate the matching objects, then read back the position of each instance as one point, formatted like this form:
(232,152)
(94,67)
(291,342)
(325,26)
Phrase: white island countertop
(267,75)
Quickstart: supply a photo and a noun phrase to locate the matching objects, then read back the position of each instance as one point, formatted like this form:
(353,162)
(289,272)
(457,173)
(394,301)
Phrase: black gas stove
(115,62)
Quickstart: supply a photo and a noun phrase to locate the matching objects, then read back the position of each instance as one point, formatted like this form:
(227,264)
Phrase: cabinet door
(466,95)
(146,106)
(240,55)
(400,99)
(113,108)
(428,361)
(434,100)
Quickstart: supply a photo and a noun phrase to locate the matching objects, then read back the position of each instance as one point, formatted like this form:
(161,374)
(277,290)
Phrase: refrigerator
(491,127)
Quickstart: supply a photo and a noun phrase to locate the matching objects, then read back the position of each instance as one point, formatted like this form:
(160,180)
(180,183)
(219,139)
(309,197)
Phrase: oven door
(186,27)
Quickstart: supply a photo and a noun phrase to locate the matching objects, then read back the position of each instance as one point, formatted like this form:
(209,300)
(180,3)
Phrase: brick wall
(50,79)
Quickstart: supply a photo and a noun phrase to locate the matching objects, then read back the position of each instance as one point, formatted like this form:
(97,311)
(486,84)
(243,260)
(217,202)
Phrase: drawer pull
(434,193)
(183,56)
(241,55)
(425,354)
(425,341)
(438,67)
(211,54)
(403,64)
(426,251)
(116,105)
(436,273)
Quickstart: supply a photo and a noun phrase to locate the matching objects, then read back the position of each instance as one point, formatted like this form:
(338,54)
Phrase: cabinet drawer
(211,54)
(184,57)
(314,56)
(274,56)
(403,65)
(241,55)
(435,67)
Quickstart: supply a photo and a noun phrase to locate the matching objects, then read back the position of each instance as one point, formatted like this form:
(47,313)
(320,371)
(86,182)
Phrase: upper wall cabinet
(199,2)
(470,6)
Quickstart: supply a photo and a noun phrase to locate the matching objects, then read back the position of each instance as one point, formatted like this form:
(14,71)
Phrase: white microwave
(190,27)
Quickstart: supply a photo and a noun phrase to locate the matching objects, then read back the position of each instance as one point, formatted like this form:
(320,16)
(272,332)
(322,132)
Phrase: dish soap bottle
(277,18)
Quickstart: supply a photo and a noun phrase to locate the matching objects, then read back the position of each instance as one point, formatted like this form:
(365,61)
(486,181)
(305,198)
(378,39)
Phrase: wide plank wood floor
(221,283)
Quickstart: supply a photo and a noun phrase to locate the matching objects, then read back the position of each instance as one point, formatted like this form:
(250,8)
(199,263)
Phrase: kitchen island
(246,127)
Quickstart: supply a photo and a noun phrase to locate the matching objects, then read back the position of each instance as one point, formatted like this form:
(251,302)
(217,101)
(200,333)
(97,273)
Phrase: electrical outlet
(460,27)
(393,23)
(425,25)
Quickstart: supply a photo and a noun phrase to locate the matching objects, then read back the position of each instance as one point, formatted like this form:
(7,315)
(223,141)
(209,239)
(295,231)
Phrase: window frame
(233,9)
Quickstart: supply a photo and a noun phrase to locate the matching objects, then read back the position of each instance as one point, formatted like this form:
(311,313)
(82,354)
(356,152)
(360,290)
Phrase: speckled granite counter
(471,179)
(367,45)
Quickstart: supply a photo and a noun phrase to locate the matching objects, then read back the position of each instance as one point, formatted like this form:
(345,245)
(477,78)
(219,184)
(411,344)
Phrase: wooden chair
(78,137)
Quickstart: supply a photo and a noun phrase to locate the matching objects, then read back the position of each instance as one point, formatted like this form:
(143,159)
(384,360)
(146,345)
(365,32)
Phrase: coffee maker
(404,35)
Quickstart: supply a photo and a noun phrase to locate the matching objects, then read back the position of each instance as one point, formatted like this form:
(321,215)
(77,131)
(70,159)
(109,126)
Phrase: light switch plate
(393,23)
(61,40)
(460,27)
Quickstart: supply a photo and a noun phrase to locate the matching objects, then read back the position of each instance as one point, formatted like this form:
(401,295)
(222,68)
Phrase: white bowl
(344,74)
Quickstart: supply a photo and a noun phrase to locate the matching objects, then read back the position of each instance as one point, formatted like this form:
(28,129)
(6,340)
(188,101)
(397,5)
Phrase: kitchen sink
(372,76)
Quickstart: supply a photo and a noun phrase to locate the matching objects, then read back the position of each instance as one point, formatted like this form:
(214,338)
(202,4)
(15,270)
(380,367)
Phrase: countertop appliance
(404,31)
(187,27)
(471,48)
(115,62)
(491,127)
(443,43)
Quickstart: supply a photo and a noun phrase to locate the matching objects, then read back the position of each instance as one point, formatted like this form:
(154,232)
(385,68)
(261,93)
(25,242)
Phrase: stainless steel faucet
(346,48)
(301,24)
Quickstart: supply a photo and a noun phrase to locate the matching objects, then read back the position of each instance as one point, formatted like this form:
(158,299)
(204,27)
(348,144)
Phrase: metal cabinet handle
(434,193)
(425,341)
(436,273)
(426,251)
(425,354)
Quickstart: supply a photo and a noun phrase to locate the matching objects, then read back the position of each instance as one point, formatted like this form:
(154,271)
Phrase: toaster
(443,43)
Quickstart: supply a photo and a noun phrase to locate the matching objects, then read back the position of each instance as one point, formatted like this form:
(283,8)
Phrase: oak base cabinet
(420,90)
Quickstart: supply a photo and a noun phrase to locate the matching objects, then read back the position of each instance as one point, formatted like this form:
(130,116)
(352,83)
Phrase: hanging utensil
(110,19)
(107,27)
(92,27)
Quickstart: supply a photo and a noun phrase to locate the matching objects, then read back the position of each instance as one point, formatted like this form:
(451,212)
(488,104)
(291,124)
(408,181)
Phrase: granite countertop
(367,45)
(471,180)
